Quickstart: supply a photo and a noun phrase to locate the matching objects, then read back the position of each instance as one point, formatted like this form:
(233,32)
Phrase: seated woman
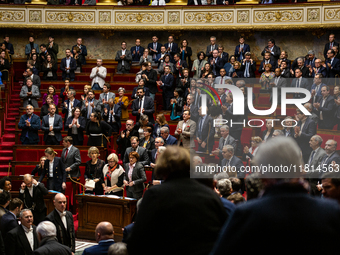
(198,65)
(141,84)
(268,133)
(39,168)
(249,153)
(113,175)
(148,142)
(94,171)
(44,109)
(51,91)
(49,67)
(134,177)
(160,122)
(206,70)
(98,131)
(166,62)
(141,124)
(177,104)
(64,90)
(266,77)
(58,181)
(75,126)
(238,73)
(229,66)
(123,102)
(112,114)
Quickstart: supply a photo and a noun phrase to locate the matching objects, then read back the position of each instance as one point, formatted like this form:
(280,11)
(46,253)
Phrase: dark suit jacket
(327,48)
(32,131)
(276,50)
(37,202)
(76,103)
(304,70)
(158,48)
(276,213)
(170,140)
(252,69)
(335,68)
(174,49)
(151,83)
(57,127)
(207,53)
(36,80)
(59,175)
(100,249)
(286,73)
(327,111)
(127,59)
(143,155)
(216,66)
(149,108)
(236,164)
(73,67)
(303,84)
(265,133)
(309,129)
(326,161)
(207,130)
(178,71)
(134,92)
(136,57)
(322,70)
(168,81)
(127,231)
(198,200)
(96,108)
(73,160)
(149,146)
(310,62)
(8,222)
(51,244)
(138,176)
(83,52)
(65,237)
(230,141)
(17,243)
(261,68)
(118,114)
(245,49)
(82,123)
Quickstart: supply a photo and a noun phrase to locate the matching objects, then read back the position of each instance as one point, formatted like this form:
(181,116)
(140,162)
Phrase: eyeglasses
(128,124)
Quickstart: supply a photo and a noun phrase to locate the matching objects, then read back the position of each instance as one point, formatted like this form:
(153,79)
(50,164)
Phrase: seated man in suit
(63,221)
(224,140)
(29,94)
(310,61)
(43,53)
(143,105)
(106,95)
(288,130)
(278,82)
(70,104)
(332,64)
(185,131)
(136,51)
(23,239)
(124,59)
(9,220)
(300,65)
(265,61)
(70,156)
(154,153)
(222,77)
(248,66)
(324,108)
(52,124)
(304,131)
(112,115)
(331,159)
(285,71)
(166,84)
(47,235)
(154,48)
(168,139)
(98,75)
(216,63)
(240,49)
(316,87)
(35,78)
(272,49)
(32,194)
(30,125)
(314,161)
(68,65)
(299,82)
(329,45)
(283,57)
(143,153)
(232,162)
(317,69)
(104,237)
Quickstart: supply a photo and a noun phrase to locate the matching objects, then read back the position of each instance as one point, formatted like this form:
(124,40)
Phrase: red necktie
(66,153)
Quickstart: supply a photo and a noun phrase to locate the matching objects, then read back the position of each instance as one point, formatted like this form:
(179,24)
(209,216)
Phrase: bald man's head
(60,202)
(104,231)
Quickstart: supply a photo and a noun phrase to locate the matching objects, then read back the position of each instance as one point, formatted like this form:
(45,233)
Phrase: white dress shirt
(63,218)
(29,235)
(51,123)
(51,168)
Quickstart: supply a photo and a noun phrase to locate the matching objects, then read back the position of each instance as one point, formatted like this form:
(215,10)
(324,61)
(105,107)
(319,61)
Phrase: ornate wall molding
(324,15)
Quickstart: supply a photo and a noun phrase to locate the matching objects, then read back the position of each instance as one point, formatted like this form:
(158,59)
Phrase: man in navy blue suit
(241,49)
(68,65)
(168,139)
(248,66)
(9,46)
(299,82)
(9,220)
(166,84)
(232,161)
(52,124)
(331,157)
(265,61)
(216,63)
(30,125)
(316,88)
(324,108)
(143,105)
(171,47)
(137,51)
(223,55)
(310,61)
(332,64)
(330,44)
(317,69)
(154,47)
(104,237)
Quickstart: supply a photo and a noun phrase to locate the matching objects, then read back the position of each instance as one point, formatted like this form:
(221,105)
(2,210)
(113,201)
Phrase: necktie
(106,97)
(227,162)
(66,153)
(311,158)
(154,47)
(225,142)
(221,80)
(200,127)
(298,83)
(170,46)
(331,46)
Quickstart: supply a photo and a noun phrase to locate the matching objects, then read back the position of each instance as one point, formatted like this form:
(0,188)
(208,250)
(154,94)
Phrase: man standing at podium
(63,221)
(70,156)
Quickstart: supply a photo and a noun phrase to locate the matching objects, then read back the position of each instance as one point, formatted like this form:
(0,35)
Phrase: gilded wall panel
(139,17)
(208,17)
(70,17)
(267,16)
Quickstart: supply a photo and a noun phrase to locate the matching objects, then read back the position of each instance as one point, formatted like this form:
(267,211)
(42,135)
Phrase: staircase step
(17,113)
(6,145)
(5,159)
(3,170)
(10,119)
(6,153)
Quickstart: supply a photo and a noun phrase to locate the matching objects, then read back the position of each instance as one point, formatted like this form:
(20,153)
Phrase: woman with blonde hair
(40,167)
(94,171)
(123,101)
(87,88)
(249,153)
(113,176)
(160,122)
(56,181)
